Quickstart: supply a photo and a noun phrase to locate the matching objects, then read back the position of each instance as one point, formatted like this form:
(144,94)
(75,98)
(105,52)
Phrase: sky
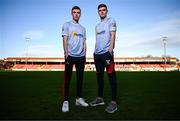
(141,26)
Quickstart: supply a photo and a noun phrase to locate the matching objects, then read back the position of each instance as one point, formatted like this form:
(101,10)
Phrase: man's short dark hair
(102,5)
(75,7)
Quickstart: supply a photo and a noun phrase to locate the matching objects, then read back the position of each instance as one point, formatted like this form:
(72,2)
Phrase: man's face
(76,13)
(102,12)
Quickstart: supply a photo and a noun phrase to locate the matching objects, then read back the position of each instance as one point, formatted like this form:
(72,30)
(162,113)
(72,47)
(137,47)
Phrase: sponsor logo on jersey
(101,32)
(74,34)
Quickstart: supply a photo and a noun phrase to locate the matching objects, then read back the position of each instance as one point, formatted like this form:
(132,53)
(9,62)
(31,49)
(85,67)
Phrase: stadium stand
(121,64)
(1,64)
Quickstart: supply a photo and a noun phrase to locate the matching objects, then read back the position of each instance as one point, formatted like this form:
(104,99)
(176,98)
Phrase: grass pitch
(141,95)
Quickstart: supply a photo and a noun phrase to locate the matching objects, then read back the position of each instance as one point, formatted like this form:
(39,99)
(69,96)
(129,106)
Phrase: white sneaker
(81,102)
(65,106)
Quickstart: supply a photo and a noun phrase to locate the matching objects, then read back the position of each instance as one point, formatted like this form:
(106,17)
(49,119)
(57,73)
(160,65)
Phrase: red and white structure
(121,64)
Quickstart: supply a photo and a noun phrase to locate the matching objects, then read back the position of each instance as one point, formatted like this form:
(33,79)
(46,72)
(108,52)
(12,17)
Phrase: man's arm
(85,47)
(112,41)
(65,39)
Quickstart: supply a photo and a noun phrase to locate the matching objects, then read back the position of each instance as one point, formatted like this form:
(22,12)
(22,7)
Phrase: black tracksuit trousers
(103,61)
(79,64)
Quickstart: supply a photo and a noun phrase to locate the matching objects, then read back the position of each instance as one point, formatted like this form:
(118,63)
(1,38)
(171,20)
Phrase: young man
(74,43)
(103,57)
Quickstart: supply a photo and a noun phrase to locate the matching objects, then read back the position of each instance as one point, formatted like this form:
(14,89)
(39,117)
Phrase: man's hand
(111,51)
(65,55)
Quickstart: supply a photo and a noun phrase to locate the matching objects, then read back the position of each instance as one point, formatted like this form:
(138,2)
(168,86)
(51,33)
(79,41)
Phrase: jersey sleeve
(113,25)
(65,30)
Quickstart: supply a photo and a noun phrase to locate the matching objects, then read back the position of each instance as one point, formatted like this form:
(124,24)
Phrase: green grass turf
(141,95)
